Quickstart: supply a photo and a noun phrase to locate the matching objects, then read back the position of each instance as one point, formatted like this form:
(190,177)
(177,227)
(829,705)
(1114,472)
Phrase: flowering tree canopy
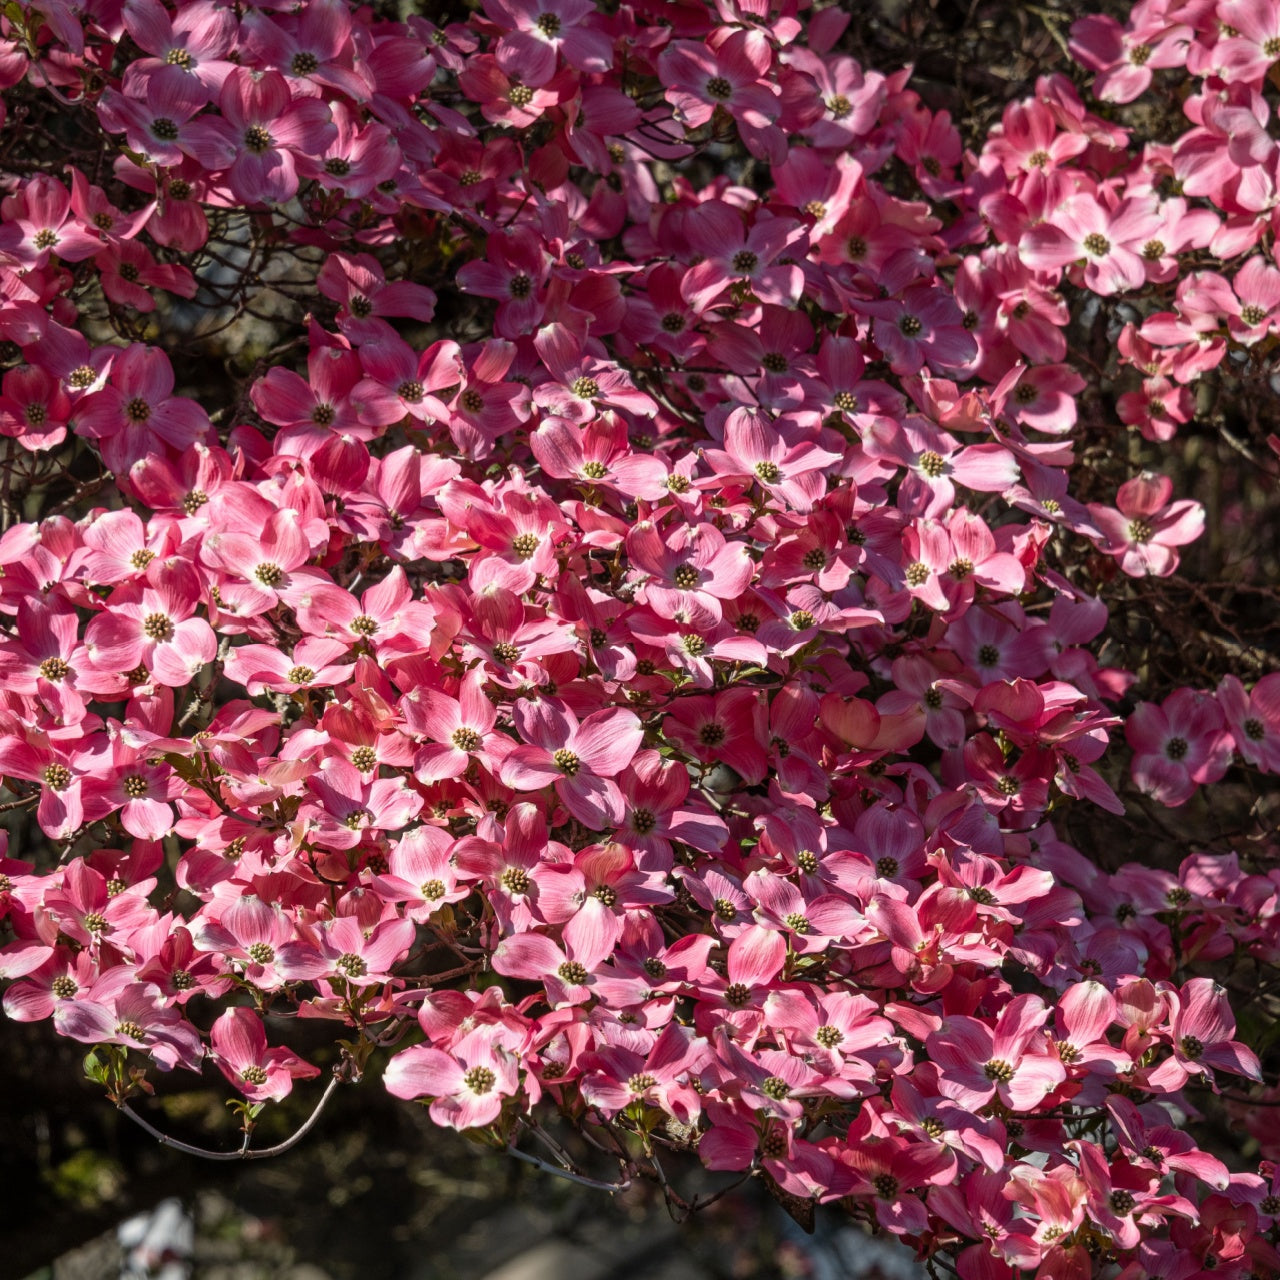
(665,626)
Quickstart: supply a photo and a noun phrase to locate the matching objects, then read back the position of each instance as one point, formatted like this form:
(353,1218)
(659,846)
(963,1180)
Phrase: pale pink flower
(1108,241)
(1251,51)
(467,1085)
(238,1047)
(1010,1060)
(1144,528)
(421,874)
(1202,1031)
(579,759)
(311,662)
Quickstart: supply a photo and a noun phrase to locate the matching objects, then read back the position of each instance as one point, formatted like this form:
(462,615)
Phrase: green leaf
(97,1067)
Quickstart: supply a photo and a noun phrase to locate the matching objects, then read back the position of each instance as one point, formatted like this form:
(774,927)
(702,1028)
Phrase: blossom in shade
(1144,528)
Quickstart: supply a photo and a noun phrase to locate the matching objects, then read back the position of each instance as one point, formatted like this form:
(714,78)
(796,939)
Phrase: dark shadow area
(375,1192)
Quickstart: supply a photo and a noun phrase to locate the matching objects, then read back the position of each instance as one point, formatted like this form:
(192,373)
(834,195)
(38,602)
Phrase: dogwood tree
(670,627)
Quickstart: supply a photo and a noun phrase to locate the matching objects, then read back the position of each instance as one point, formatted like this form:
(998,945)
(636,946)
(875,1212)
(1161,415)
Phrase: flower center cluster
(57,777)
(257,139)
(480,1080)
(157,626)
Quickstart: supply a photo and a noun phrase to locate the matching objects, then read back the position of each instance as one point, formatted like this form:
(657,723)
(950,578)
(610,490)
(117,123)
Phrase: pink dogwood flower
(189,45)
(360,286)
(421,874)
(38,222)
(536,31)
(1253,719)
(755,450)
(924,326)
(348,804)
(249,933)
(238,1047)
(135,1017)
(579,758)
(614,1078)
(316,53)
(467,1085)
(346,951)
(566,973)
(582,383)
(137,412)
(261,569)
(262,130)
(1108,241)
(400,382)
(515,272)
(889,1171)
(1178,745)
(1010,1060)
(1144,528)
(34,409)
(699,80)
(154,626)
(1126,57)
(458,730)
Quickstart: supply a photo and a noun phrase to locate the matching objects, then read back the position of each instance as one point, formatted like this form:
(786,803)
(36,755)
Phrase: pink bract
(655,579)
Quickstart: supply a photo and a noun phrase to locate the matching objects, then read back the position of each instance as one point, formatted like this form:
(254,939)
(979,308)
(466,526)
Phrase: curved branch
(244,1153)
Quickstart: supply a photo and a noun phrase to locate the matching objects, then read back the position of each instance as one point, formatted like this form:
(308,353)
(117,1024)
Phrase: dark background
(374,1192)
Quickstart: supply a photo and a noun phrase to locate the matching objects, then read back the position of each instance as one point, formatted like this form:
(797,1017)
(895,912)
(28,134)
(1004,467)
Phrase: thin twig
(567,1174)
(549,1142)
(611,1187)
(244,1152)
(698,1203)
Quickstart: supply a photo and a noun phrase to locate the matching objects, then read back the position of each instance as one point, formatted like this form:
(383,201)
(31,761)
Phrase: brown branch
(245,1152)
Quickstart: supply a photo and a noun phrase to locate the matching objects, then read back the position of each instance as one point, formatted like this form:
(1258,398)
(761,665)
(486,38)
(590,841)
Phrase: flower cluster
(636,645)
